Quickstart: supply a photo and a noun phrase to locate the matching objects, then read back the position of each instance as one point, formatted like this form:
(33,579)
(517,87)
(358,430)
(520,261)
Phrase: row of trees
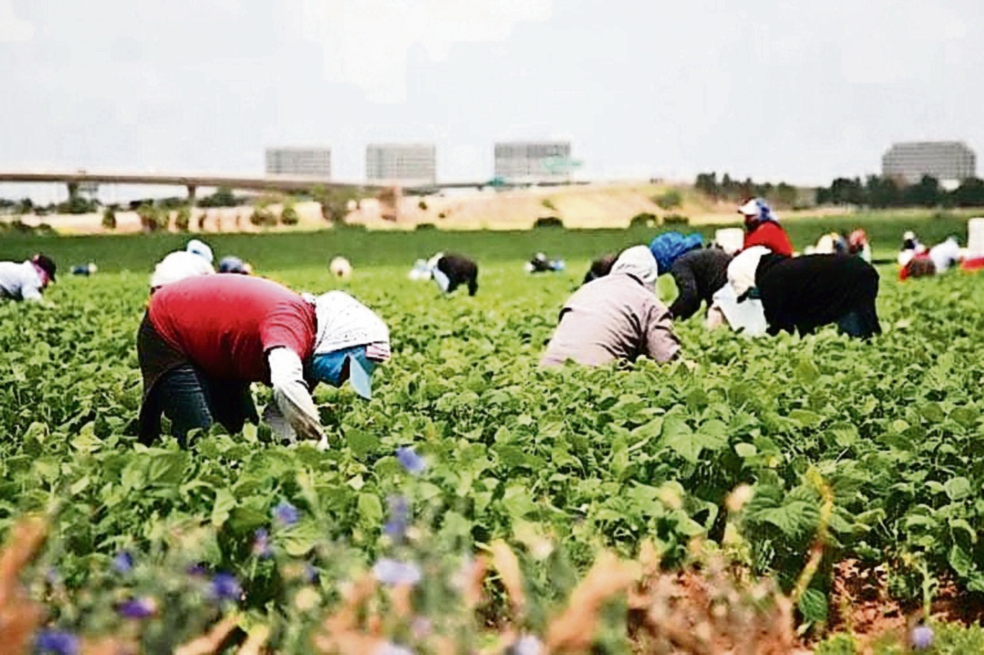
(884,192)
(874,191)
(733,190)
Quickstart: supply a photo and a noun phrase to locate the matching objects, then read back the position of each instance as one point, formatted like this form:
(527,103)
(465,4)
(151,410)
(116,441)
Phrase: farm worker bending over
(911,247)
(804,293)
(762,228)
(615,317)
(857,244)
(698,274)
(452,271)
(26,280)
(600,268)
(203,342)
(232,264)
(938,259)
(196,259)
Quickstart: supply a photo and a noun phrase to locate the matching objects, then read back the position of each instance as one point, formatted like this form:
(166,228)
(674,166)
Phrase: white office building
(406,164)
(947,161)
(533,161)
(310,162)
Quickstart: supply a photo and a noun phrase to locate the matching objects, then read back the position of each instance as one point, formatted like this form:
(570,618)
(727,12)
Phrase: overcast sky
(791,90)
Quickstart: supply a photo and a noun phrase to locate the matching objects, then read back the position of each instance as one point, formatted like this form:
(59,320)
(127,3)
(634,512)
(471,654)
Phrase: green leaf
(960,560)
(370,509)
(805,418)
(746,450)
(813,606)
(222,507)
(957,488)
(361,443)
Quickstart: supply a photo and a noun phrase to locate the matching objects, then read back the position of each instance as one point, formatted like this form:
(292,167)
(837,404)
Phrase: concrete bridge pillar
(192,190)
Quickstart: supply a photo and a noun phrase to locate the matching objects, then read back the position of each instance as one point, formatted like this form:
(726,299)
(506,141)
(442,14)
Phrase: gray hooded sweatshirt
(615,317)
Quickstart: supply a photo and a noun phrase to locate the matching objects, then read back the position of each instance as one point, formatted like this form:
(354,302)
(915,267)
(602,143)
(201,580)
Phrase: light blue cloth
(329,368)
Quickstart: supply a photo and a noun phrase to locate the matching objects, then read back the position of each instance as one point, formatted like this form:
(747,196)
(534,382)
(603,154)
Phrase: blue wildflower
(225,586)
(286,514)
(922,637)
(410,460)
(56,642)
(395,572)
(399,515)
(138,608)
(123,562)
(261,544)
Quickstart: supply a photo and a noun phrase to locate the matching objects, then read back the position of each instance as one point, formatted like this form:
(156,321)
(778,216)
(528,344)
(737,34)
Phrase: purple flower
(225,586)
(310,573)
(411,461)
(286,514)
(399,513)
(394,572)
(261,544)
(123,562)
(138,608)
(922,637)
(197,571)
(56,642)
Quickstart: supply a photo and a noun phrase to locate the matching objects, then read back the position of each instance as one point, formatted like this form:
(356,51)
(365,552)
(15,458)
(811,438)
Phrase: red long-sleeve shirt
(772,236)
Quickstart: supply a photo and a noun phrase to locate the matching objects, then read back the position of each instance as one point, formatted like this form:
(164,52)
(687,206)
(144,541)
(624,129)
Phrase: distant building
(313,162)
(948,161)
(405,164)
(532,161)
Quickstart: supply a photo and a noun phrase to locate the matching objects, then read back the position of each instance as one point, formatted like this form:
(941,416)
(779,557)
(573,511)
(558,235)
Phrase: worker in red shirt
(204,340)
(762,228)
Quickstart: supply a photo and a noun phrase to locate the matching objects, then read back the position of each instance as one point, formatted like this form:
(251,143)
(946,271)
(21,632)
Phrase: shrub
(335,202)
(669,200)
(262,217)
(223,197)
(422,206)
(182,221)
(548,221)
(546,202)
(204,215)
(425,226)
(288,215)
(109,218)
(644,220)
(675,219)
(149,218)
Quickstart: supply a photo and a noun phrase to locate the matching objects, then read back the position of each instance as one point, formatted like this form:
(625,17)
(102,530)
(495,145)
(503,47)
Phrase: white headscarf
(638,261)
(741,270)
(344,322)
(201,249)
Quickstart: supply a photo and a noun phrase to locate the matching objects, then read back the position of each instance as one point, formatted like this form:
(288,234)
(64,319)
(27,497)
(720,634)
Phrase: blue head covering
(670,246)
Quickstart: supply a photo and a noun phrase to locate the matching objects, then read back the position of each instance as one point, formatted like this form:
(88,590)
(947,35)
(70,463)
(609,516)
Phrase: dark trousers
(190,400)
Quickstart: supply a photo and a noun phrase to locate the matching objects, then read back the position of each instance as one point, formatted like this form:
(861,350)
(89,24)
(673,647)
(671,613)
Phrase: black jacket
(804,293)
(698,275)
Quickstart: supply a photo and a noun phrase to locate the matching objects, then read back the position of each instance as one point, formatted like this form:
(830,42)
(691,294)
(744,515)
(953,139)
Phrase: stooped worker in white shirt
(196,259)
(26,280)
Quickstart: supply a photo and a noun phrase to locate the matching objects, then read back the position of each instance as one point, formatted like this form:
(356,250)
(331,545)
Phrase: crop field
(865,453)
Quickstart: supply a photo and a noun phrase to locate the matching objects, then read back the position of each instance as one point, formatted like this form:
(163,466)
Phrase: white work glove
(294,405)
